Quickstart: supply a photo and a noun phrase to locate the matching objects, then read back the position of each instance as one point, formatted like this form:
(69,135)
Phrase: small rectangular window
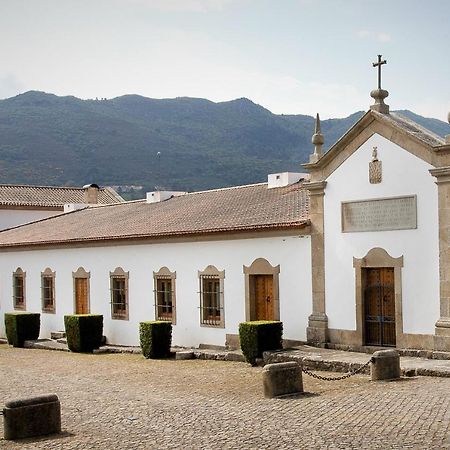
(211,296)
(164,306)
(119,296)
(165,298)
(48,291)
(19,290)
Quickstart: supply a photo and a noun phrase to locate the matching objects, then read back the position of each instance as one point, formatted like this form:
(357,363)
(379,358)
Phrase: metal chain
(341,377)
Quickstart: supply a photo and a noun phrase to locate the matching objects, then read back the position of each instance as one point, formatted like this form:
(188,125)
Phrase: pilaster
(442,326)
(317,331)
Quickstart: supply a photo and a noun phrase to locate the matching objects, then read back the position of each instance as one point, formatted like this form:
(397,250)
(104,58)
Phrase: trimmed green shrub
(259,336)
(84,332)
(155,338)
(21,327)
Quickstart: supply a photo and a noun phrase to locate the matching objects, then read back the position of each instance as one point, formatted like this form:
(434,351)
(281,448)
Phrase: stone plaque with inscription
(396,213)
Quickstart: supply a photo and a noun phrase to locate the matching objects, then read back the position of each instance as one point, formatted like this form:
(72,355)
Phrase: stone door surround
(261,266)
(378,257)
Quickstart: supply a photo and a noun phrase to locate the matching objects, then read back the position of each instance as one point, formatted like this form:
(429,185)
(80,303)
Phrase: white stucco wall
(403,174)
(13,217)
(292,253)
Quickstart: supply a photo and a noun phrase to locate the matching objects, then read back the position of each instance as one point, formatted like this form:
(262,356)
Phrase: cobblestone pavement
(122,401)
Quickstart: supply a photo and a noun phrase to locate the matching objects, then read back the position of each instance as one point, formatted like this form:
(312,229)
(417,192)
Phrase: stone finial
(317,141)
(379,94)
(447,138)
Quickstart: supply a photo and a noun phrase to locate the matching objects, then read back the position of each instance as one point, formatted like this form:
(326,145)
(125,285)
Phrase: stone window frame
(82,273)
(165,274)
(19,274)
(378,257)
(119,274)
(261,266)
(48,303)
(211,272)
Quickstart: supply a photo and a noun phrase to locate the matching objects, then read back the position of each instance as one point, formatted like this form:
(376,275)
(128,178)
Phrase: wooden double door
(379,306)
(263,301)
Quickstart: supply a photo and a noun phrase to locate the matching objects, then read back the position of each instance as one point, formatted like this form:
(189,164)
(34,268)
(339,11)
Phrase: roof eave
(300,225)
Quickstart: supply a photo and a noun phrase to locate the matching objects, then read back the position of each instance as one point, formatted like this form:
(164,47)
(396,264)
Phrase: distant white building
(21,204)
(355,254)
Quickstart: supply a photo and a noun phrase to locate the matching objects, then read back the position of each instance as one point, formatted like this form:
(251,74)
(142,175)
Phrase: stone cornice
(442,174)
(315,187)
(371,122)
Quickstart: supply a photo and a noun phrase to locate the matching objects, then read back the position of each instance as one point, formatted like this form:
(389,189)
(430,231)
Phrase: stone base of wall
(351,340)
(232,342)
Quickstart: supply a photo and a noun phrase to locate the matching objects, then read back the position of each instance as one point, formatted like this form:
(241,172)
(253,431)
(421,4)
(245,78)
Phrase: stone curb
(316,362)
(206,354)
(409,352)
(309,361)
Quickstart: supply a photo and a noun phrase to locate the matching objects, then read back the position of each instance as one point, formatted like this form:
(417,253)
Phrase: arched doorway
(379,319)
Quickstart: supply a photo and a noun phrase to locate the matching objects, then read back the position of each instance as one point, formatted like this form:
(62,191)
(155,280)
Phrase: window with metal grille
(48,290)
(119,294)
(211,297)
(19,289)
(164,307)
(165,299)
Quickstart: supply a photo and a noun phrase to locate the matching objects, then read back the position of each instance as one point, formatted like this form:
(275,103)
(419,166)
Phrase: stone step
(57,335)
(408,352)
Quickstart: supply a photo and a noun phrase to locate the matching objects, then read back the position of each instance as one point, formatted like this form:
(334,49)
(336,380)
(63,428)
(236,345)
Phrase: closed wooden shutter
(81,296)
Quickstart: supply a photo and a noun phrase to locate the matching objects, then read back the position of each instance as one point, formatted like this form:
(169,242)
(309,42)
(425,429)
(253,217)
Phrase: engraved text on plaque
(396,213)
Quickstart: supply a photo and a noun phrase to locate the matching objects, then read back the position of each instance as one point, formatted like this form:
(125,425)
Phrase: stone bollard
(33,416)
(282,379)
(385,365)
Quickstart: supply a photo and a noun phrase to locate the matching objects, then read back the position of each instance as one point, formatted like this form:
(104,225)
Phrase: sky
(290,56)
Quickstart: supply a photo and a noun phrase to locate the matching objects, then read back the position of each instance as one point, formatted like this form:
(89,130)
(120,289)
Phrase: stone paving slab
(123,401)
(46,344)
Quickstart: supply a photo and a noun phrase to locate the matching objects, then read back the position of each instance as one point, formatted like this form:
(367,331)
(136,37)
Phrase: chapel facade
(380,220)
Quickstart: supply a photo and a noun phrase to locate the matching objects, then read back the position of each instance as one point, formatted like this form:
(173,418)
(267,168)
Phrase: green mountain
(182,143)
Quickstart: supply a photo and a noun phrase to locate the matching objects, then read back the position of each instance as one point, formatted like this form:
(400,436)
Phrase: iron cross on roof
(379,64)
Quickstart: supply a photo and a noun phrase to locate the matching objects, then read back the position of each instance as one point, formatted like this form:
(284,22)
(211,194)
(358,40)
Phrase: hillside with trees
(183,143)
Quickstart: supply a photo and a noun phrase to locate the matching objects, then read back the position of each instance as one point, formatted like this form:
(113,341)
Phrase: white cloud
(374,36)
(183,5)
(10,85)
(383,37)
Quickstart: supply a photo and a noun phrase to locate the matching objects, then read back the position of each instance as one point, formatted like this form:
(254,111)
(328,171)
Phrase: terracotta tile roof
(50,196)
(244,208)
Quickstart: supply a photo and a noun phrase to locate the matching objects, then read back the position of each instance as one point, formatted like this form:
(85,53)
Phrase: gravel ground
(122,401)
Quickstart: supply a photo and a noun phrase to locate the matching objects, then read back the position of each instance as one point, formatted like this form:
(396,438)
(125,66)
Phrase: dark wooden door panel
(379,307)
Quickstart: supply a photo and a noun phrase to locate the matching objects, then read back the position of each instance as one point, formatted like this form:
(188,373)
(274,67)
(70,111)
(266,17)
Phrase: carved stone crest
(375,172)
